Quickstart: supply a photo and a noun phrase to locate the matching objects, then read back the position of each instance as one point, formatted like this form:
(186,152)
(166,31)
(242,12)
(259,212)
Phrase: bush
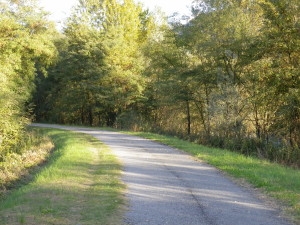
(274,150)
(131,120)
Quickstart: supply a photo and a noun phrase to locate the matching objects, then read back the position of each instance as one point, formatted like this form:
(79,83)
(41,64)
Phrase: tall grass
(33,150)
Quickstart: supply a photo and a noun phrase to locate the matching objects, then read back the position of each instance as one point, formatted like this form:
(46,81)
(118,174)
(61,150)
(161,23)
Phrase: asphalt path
(167,186)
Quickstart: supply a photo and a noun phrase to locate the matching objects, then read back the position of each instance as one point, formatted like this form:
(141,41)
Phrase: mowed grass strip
(79,185)
(278,181)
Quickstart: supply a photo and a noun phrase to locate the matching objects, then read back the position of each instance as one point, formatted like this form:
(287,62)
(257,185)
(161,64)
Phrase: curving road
(166,186)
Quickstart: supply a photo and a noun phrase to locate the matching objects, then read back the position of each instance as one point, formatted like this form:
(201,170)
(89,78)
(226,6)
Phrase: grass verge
(277,181)
(15,168)
(79,185)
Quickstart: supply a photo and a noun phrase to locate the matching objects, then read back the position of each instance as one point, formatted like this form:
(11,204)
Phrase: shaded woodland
(229,77)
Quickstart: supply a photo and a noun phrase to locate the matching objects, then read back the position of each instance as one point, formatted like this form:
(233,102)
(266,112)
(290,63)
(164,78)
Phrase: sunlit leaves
(25,48)
(99,74)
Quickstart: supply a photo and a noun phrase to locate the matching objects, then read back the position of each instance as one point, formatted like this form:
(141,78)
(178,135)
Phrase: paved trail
(166,186)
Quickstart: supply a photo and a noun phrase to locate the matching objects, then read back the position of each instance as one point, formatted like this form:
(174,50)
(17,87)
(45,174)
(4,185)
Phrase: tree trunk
(188,117)
(91,116)
(82,115)
(257,125)
(207,108)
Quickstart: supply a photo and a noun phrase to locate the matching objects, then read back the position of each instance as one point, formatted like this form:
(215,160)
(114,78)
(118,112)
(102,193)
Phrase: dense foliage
(25,50)
(229,77)
(100,72)
(242,85)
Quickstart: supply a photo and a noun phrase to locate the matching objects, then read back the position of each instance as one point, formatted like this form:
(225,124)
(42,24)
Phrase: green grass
(277,181)
(79,185)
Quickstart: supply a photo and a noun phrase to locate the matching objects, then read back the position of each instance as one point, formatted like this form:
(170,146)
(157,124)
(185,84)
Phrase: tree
(104,62)
(26,48)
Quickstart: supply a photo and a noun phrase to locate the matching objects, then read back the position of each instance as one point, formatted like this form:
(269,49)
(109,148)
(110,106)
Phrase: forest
(227,77)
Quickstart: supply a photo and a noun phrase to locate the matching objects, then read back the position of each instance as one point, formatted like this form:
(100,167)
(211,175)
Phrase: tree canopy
(229,77)
(26,48)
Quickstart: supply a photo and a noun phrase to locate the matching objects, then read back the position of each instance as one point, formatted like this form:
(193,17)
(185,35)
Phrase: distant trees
(228,78)
(99,74)
(26,48)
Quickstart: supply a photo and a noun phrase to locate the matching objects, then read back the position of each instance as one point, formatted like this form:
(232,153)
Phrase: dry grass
(16,167)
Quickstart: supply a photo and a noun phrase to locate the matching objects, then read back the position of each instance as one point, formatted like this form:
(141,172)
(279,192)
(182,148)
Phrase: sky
(60,9)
